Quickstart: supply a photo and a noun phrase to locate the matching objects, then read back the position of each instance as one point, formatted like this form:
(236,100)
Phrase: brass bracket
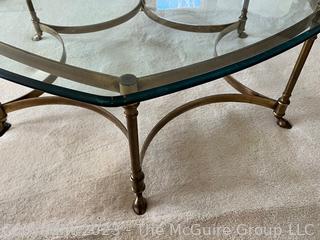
(128,83)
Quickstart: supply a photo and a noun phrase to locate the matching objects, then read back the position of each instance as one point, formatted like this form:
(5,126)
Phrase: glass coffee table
(121,53)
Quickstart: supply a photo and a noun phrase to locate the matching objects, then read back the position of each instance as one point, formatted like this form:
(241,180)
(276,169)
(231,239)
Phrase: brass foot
(4,128)
(139,205)
(243,35)
(284,123)
(37,37)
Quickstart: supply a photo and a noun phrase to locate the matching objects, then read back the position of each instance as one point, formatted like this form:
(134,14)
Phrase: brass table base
(128,84)
(131,130)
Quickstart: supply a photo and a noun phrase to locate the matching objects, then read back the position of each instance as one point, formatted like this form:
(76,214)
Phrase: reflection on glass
(174,4)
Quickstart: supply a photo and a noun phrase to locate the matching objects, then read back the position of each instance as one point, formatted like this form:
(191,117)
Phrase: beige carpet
(65,171)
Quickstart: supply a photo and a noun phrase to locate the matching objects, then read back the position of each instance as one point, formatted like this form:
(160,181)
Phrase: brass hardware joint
(128,84)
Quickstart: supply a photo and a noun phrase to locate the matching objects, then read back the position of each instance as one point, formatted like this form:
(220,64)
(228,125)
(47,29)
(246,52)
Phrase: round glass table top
(113,53)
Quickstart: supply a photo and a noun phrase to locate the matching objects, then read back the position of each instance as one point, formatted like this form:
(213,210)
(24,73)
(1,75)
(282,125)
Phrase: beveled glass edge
(200,68)
(109,82)
(151,82)
(56,68)
(162,90)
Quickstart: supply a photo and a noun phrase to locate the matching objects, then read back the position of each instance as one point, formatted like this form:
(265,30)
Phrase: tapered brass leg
(4,126)
(284,100)
(137,176)
(35,21)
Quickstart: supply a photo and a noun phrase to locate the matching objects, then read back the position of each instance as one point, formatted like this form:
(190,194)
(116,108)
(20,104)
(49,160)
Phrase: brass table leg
(4,126)
(284,100)
(35,21)
(137,176)
(243,19)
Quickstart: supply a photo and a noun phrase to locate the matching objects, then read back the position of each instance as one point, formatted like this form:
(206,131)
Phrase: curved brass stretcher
(130,129)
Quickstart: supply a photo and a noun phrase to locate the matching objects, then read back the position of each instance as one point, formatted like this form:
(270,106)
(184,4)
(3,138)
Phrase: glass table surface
(95,51)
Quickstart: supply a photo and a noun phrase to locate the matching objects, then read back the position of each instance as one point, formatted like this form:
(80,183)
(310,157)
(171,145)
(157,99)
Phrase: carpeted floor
(224,171)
